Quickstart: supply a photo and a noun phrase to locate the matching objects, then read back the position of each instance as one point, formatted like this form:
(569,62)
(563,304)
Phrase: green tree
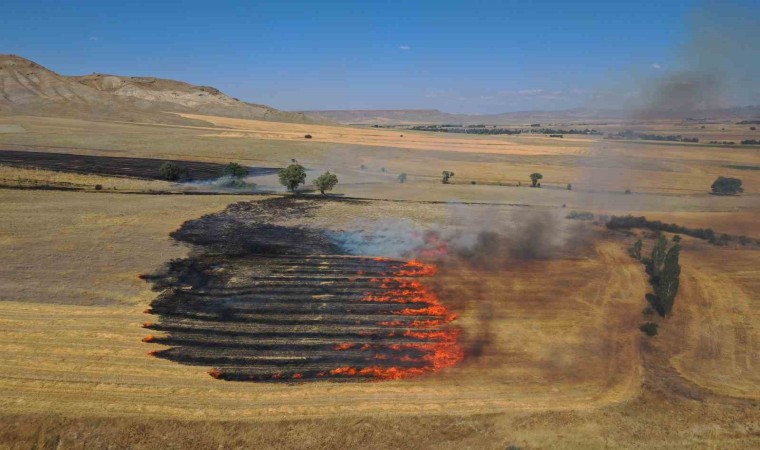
(658,255)
(326,182)
(534,177)
(292,176)
(172,172)
(635,250)
(727,186)
(667,286)
(235,170)
(402,178)
(445,175)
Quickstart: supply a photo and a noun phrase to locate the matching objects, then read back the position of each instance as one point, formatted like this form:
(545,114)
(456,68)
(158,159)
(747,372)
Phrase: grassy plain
(566,366)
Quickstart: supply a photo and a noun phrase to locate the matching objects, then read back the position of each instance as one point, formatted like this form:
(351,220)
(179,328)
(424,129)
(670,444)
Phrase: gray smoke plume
(717,67)
(486,237)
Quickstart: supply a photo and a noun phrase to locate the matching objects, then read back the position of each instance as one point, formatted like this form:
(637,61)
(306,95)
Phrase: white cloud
(656,66)
(404,47)
(94,38)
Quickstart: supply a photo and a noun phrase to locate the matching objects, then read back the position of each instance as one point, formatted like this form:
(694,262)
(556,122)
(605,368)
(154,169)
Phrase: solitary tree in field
(235,170)
(292,176)
(326,182)
(172,172)
(402,178)
(446,175)
(534,177)
(727,186)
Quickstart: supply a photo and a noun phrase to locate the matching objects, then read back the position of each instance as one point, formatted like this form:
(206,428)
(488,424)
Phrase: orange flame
(344,346)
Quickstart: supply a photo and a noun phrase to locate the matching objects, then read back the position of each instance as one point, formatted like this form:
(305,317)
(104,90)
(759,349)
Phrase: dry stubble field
(566,366)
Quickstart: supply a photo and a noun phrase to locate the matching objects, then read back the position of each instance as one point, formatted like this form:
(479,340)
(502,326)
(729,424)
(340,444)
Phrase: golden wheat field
(561,362)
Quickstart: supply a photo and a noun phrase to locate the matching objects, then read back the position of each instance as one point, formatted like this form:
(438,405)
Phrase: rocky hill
(29,88)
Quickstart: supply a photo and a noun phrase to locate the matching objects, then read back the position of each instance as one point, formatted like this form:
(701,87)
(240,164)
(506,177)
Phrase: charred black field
(145,168)
(257,301)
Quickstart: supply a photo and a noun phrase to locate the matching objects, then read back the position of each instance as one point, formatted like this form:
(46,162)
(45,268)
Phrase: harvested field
(244,128)
(116,166)
(552,354)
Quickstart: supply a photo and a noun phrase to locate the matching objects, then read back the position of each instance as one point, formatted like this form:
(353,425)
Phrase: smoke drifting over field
(485,240)
(473,244)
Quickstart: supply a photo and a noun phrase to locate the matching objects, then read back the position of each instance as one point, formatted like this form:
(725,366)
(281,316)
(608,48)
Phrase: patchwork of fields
(553,356)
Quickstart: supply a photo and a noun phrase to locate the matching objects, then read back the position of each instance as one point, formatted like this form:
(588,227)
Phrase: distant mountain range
(579,115)
(29,88)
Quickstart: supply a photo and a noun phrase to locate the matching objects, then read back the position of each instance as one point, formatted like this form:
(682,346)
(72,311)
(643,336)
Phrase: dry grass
(246,128)
(89,248)
(15,176)
(566,366)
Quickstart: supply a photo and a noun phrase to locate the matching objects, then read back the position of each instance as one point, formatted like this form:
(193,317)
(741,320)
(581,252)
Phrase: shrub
(580,215)
(727,186)
(534,177)
(402,178)
(230,182)
(235,170)
(307,136)
(649,328)
(172,172)
(326,182)
(292,176)
(445,175)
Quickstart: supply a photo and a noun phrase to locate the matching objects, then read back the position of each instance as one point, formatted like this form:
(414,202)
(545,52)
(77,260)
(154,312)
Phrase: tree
(635,250)
(446,174)
(727,186)
(658,255)
(235,170)
(326,182)
(667,286)
(402,178)
(292,176)
(569,187)
(172,172)
(534,177)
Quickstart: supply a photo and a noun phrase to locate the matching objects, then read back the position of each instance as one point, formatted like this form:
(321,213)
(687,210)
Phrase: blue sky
(458,56)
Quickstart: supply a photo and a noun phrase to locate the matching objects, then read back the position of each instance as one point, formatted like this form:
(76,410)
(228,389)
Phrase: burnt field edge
(258,301)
